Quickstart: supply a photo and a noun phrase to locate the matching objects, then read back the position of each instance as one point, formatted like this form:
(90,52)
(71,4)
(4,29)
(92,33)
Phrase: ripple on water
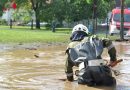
(124,78)
(122,87)
(2,60)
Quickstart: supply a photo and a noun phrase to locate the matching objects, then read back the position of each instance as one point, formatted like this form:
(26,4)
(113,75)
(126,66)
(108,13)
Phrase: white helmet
(80,27)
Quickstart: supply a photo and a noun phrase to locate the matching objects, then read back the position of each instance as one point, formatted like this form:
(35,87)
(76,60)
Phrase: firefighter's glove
(112,63)
(70,78)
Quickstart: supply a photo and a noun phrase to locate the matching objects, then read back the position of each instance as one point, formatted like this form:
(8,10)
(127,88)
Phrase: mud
(41,67)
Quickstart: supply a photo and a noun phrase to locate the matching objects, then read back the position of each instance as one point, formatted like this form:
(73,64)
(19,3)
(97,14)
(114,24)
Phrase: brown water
(43,69)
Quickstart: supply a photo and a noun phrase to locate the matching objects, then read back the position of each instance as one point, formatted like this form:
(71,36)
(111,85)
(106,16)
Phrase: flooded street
(43,69)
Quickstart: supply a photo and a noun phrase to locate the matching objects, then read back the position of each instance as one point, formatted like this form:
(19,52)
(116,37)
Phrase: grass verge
(26,35)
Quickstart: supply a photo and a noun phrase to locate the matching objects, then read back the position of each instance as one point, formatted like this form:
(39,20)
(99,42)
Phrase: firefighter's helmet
(80,27)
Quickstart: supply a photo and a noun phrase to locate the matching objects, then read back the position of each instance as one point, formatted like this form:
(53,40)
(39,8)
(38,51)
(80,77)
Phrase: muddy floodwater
(42,68)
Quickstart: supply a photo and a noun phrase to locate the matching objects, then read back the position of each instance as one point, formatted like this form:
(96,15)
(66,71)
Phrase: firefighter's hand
(112,63)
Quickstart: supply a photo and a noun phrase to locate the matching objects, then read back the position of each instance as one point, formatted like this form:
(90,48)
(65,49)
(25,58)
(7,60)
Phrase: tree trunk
(37,24)
(35,8)
(11,23)
(37,20)
(94,15)
(32,24)
(122,21)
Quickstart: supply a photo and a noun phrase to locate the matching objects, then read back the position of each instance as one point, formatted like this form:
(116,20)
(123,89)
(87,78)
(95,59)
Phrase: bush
(3,22)
(48,26)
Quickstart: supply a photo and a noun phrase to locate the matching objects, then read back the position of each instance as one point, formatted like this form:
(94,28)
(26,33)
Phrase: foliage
(80,10)
(63,10)
(2,22)
(53,11)
(35,5)
(2,3)
(127,2)
(102,7)
(23,14)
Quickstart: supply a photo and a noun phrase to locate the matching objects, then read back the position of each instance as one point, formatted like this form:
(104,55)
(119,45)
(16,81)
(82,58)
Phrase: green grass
(114,37)
(26,35)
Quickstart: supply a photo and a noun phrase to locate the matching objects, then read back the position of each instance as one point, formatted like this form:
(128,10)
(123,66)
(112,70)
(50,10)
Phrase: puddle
(43,69)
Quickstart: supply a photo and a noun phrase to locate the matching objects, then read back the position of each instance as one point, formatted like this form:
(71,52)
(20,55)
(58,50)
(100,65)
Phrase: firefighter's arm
(112,54)
(68,67)
(111,51)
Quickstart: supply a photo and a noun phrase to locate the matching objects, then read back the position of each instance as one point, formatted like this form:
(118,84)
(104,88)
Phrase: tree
(36,6)
(103,6)
(127,2)
(54,11)
(2,4)
(80,10)
(62,10)
(99,10)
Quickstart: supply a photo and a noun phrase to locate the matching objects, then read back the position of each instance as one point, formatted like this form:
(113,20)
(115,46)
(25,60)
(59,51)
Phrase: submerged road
(43,69)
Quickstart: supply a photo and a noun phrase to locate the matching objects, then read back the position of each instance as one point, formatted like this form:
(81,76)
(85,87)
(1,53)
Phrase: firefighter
(84,51)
